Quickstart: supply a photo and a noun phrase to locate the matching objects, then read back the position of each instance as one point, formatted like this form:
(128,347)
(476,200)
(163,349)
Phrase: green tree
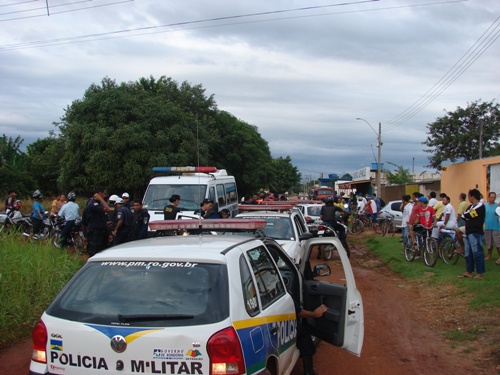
(44,157)
(116,133)
(240,149)
(285,175)
(457,135)
(399,176)
(13,174)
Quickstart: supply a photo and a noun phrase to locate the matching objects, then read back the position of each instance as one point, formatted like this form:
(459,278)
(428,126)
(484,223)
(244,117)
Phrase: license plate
(321,232)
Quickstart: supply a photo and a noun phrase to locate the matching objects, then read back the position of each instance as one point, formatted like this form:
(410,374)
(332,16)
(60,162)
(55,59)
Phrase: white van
(193,184)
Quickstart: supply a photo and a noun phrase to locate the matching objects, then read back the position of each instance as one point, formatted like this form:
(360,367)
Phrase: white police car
(197,304)
(285,224)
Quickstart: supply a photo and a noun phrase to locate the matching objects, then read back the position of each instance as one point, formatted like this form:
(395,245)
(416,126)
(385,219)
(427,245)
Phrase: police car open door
(343,324)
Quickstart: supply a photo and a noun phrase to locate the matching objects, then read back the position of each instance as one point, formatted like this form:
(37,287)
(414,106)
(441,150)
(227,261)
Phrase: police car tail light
(39,337)
(226,356)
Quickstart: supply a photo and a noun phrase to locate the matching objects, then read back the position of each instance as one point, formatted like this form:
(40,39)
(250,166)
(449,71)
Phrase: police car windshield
(148,293)
(156,197)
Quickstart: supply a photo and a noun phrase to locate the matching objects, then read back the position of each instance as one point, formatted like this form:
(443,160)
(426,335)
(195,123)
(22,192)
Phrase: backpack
(382,203)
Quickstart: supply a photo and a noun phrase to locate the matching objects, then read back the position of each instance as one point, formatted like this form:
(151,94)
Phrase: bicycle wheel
(431,252)
(409,251)
(377,227)
(356,226)
(384,227)
(447,251)
(391,228)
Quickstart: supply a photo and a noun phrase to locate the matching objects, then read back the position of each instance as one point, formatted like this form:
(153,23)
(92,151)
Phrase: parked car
(393,207)
(193,304)
(310,211)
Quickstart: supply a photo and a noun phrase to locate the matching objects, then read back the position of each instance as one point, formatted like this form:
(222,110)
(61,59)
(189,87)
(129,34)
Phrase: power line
(44,8)
(186,24)
(471,55)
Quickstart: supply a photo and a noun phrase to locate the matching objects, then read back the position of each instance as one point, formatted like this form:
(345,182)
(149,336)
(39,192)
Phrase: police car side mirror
(305,236)
(321,270)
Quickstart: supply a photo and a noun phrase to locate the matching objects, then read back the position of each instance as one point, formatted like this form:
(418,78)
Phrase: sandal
(478,277)
(497,262)
(465,276)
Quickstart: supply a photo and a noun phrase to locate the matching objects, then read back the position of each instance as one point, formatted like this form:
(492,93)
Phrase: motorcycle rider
(69,212)
(328,215)
(37,213)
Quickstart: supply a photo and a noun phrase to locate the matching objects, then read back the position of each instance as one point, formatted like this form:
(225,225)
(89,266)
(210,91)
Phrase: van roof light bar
(209,224)
(184,169)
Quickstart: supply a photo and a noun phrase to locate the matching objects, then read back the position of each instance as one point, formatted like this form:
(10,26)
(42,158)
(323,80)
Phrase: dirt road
(402,333)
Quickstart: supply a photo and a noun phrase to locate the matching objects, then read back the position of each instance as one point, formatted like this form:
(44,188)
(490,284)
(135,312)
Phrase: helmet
(37,194)
(119,200)
(71,196)
(17,204)
(113,198)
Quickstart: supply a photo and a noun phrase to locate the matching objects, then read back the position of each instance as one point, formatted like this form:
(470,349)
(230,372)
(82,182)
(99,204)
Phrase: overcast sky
(302,76)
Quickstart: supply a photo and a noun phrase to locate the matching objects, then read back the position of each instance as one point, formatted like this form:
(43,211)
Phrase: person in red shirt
(426,214)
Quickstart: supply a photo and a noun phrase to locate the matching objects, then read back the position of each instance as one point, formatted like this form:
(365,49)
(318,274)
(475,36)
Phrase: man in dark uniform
(123,223)
(126,201)
(170,211)
(96,218)
(327,214)
(140,222)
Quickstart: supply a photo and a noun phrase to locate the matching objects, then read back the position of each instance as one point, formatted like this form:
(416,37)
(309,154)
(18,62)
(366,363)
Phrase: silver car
(394,208)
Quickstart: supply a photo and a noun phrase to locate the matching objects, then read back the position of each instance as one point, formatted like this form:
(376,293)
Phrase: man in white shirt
(406,207)
(449,218)
(69,212)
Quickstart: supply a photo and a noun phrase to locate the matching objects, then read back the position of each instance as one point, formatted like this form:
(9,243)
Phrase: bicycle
(368,223)
(425,243)
(354,224)
(448,246)
(387,225)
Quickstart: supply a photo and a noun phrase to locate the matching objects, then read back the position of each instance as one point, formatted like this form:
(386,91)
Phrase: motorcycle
(76,237)
(12,222)
(326,230)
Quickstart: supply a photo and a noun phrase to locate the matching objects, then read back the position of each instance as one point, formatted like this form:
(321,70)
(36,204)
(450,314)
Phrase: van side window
(231,193)
(211,194)
(221,195)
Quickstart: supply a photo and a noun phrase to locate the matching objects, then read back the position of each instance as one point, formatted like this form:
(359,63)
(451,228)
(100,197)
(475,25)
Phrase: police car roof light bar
(209,224)
(265,207)
(184,169)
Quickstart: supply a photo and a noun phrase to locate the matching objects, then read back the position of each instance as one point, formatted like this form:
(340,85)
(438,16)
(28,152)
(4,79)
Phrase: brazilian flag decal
(56,345)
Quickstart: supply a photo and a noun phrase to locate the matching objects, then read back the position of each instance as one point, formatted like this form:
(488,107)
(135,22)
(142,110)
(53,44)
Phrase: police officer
(123,223)
(140,221)
(127,202)
(95,218)
(327,214)
(170,211)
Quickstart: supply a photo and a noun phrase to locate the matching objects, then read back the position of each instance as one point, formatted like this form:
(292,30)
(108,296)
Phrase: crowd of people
(473,222)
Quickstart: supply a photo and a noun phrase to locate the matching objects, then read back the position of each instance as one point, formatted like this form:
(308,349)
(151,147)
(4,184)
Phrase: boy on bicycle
(426,215)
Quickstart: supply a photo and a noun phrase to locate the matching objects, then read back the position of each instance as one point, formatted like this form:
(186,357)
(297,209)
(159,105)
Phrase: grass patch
(30,277)
(470,334)
(480,291)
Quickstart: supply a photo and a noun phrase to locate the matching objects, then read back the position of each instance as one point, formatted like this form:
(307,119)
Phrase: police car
(195,304)
(285,224)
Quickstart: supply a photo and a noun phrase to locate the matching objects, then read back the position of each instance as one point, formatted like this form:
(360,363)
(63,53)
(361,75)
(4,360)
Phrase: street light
(379,145)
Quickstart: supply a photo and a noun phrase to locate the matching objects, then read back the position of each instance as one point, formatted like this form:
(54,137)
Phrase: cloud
(301,77)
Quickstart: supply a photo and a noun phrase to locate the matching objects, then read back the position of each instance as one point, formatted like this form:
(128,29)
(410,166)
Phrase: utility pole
(379,191)
(379,145)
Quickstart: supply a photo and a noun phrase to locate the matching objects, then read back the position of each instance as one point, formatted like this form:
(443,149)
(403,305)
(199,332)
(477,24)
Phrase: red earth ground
(403,331)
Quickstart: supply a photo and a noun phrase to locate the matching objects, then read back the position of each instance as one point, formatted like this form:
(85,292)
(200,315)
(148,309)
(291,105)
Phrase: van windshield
(156,197)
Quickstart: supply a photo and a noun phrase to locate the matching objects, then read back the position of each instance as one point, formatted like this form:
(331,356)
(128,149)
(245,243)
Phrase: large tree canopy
(116,133)
(286,175)
(463,134)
